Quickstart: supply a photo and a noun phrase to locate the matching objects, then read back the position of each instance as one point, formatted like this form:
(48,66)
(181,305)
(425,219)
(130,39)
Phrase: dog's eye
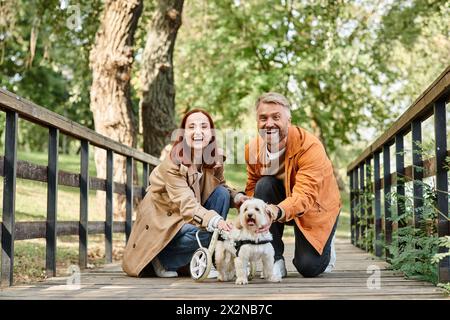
(257,209)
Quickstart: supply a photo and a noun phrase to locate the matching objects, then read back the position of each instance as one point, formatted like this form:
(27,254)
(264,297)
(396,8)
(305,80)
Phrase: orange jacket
(312,194)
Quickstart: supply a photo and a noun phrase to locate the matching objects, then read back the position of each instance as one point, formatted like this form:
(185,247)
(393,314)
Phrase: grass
(29,256)
(31,199)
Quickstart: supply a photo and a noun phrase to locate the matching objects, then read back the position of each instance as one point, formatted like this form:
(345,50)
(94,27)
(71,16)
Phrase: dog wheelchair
(201,261)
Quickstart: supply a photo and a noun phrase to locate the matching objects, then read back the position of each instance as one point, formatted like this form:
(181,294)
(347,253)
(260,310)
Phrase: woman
(187,192)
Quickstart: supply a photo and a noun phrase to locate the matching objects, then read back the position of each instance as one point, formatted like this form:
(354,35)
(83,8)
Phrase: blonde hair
(276,98)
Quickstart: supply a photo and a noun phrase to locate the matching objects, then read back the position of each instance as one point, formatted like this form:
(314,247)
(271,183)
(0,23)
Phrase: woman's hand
(225,226)
(239,200)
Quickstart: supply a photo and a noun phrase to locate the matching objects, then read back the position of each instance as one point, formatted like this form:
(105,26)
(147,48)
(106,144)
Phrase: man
(288,168)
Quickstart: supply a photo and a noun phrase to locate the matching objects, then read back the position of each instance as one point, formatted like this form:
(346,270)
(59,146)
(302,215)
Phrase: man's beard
(272,136)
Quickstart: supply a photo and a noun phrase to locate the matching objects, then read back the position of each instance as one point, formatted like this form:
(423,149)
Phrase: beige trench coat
(174,197)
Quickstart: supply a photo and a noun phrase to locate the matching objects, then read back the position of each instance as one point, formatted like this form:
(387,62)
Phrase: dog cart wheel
(201,261)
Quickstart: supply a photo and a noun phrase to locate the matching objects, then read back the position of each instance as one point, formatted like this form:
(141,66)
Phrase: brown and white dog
(243,245)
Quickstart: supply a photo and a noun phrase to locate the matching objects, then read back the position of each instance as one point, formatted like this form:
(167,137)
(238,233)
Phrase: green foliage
(340,62)
(414,249)
(332,61)
(445,243)
(55,74)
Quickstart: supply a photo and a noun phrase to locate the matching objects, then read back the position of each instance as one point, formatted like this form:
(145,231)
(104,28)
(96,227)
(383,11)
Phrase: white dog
(243,245)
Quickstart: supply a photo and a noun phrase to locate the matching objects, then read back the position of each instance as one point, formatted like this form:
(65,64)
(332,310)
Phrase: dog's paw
(274,278)
(241,281)
(224,278)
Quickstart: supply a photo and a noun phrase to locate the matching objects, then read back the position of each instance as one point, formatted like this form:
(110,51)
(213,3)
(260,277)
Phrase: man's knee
(308,268)
(265,185)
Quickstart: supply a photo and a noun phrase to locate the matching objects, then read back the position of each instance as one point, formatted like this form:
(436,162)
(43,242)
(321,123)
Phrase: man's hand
(239,200)
(272,213)
(225,226)
(272,210)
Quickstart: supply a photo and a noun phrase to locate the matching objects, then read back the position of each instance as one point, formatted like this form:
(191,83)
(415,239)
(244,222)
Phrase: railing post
(387,200)
(357,202)
(442,184)
(145,175)
(369,190)
(377,181)
(362,201)
(109,205)
(417,169)
(84,201)
(129,196)
(352,209)
(52,202)
(9,198)
(400,174)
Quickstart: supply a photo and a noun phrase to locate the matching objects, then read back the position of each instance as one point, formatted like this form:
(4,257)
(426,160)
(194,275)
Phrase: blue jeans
(180,249)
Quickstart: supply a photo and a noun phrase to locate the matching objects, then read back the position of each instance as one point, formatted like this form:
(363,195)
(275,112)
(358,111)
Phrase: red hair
(211,156)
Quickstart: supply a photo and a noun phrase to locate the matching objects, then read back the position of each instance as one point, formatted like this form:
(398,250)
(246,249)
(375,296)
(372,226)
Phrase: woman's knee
(222,193)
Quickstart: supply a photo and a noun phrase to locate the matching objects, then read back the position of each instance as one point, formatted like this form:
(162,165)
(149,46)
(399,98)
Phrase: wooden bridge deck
(347,281)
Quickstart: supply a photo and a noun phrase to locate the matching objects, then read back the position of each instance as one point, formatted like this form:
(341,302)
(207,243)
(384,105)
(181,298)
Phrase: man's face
(273,122)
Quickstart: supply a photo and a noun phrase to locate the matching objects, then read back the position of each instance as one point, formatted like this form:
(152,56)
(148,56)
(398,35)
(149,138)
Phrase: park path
(349,280)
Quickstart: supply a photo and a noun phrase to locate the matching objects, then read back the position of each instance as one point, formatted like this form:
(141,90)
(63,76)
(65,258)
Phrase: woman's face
(197,133)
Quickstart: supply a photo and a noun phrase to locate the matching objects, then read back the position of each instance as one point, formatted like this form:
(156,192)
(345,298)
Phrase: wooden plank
(30,171)
(440,127)
(37,229)
(400,175)
(9,200)
(369,209)
(352,209)
(420,109)
(129,198)
(357,204)
(362,201)
(84,207)
(387,200)
(109,205)
(111,283)
(221,291)
(377,188)
(417,174)
(52,202)
(42,116)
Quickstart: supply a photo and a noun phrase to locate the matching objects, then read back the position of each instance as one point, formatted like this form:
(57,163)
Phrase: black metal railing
(432,102)
(11,169)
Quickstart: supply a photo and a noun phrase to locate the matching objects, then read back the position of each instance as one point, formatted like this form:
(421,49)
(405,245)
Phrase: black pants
(307,261)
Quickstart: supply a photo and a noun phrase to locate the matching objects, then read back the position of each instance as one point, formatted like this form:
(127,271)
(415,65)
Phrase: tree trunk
(111,59)
(157,100)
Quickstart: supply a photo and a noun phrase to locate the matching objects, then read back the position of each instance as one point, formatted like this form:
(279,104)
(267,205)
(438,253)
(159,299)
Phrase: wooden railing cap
(421,108)
(35,113)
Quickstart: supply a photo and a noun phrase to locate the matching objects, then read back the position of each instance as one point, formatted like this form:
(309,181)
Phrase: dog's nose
(249,215)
